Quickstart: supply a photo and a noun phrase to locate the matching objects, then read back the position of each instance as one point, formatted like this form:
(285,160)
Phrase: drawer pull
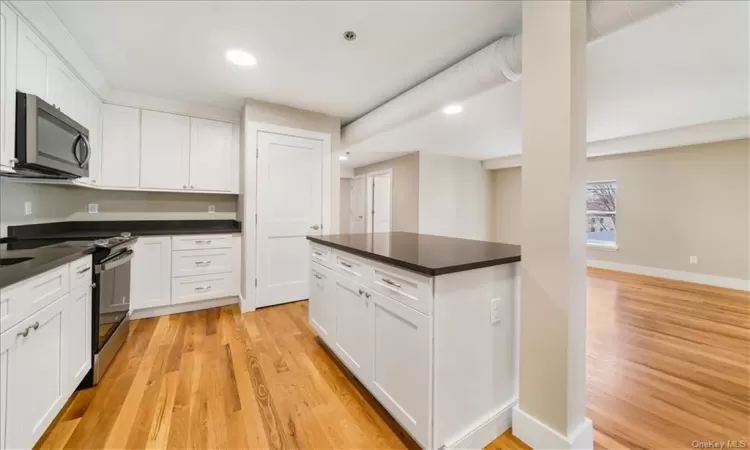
(82,271)
(202,288)
(391,282)
(203,242)
(25,332)
(318,276)
(203,263)
(318,254)
(345,264)
(361,292)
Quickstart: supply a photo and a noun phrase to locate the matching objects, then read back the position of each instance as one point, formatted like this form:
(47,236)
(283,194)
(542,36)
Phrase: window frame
(593,243)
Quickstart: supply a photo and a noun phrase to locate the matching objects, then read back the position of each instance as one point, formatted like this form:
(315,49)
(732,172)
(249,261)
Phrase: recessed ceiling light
(453,109)
(344,157)
(241,57)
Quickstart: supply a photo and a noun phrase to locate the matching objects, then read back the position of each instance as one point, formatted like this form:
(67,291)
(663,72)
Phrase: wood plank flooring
(668,363)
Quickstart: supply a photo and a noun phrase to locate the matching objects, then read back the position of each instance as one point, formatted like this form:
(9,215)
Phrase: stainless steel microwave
(48,142)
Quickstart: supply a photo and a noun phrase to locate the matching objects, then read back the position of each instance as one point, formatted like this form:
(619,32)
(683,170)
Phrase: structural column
(552,381)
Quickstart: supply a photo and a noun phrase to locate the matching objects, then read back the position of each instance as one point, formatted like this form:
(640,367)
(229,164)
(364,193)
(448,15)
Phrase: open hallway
(668,364)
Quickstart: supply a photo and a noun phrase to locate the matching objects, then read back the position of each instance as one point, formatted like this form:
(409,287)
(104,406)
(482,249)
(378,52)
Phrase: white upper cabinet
(62,87)
(165,150)
(33,62)
(8,25)
(211,155)
(120,150)
(95,139)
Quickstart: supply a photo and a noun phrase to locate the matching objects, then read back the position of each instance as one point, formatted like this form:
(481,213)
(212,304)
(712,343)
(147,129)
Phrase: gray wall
(404,190)
(54,203)
(345,207)
(672,204)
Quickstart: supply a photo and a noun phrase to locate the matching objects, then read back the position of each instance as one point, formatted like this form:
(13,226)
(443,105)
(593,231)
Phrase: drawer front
(352,267)
(321,255)
(202,242)
(201,287)
(81,273)
(410,289)
(201,262)
(27,297)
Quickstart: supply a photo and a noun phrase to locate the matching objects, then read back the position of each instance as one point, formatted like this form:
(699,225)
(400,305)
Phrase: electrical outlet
(211,209)
(693,260)
(495,311)
(93,208)
(27,209)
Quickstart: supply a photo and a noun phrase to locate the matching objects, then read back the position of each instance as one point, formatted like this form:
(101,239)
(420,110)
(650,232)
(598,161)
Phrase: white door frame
(369,193)
(248,205)
(358,177)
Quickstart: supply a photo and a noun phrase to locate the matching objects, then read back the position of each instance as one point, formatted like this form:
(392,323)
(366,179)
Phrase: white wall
(454,197)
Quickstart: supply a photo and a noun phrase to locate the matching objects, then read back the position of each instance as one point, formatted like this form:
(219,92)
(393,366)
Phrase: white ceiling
(361,159)
(176,49)
(684,67)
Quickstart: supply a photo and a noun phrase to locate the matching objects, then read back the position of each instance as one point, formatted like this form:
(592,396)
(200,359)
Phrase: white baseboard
(182,308)
(537,435)
(691,277)
(487,429)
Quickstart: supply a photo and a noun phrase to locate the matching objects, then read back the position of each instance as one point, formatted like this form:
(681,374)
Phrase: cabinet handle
(202,288)
(318,254)
(184,186)
(320,277)
(202,263)
(192,187)
(24,333)
(82,271)
(367,294)
(345,264)
(361,292)
(35,326)
(392,283)
(202,242)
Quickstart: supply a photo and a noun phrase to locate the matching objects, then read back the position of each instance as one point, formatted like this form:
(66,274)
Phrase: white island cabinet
(435,343)
(45,349)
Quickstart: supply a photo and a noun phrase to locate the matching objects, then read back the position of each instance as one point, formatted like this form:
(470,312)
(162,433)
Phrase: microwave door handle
(88,150)
(75,149)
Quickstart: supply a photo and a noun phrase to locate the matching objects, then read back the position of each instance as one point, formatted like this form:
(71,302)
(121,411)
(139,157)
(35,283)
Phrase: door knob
(315,227)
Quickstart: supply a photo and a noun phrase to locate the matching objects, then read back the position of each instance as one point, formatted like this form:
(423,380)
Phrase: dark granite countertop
(109,228)
(42,260)
(422,253)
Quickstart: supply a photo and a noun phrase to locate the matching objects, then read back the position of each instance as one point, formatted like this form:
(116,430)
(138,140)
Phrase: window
(601,211)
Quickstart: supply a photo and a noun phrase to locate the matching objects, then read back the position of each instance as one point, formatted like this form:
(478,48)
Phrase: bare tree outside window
(601,206)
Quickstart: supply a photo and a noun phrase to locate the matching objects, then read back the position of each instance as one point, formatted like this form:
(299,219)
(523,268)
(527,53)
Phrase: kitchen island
(427,324)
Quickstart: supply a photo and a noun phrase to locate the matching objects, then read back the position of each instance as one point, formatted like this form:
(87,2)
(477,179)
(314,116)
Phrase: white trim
(606,246)
(486,429)
(704,133)
(368,198)
(691,277)
(182,308)
(537,435)
(250,192)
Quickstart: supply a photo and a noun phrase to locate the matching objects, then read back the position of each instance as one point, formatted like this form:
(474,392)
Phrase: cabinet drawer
(27,297)
(201,242)
(201,287)
(201,262)
(352,267)
(321,254)
(81,272)
(410,289)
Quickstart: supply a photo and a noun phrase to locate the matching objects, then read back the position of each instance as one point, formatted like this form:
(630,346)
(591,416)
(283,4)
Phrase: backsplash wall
(55,203)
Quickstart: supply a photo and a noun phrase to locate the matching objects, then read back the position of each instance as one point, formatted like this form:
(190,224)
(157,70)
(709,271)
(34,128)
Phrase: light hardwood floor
(668,363)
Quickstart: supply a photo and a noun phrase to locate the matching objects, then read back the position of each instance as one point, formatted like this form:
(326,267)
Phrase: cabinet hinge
(256,219)
(256,152)
(256,282)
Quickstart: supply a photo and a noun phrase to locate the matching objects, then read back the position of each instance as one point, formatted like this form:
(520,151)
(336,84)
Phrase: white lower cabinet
(79,335)
(322,302)
(353,339)
(151,273)
(33,368)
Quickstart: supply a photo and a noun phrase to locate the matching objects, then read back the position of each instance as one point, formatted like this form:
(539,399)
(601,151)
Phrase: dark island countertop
(42,260)
(423,253)
(109,228)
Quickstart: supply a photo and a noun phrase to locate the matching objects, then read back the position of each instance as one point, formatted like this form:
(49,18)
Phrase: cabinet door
(32,65)
(165,150)
(95,139)
(151,273)
(401,363)
(79,336)
(8,47)
(211,155)
(121,141)
(33,364)
(322,306)
(353,328)
(61,87)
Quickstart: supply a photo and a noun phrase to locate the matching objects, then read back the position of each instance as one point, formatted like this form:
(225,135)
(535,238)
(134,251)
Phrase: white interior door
(379,202)
(290,190)
(357,205)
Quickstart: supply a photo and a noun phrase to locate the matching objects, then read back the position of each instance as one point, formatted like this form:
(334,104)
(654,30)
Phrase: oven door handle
(111,264)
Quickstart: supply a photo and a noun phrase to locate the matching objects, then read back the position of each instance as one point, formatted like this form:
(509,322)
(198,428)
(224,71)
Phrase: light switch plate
(27,208)
(211,209)
(693,260)
(495,311)
(93,208)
